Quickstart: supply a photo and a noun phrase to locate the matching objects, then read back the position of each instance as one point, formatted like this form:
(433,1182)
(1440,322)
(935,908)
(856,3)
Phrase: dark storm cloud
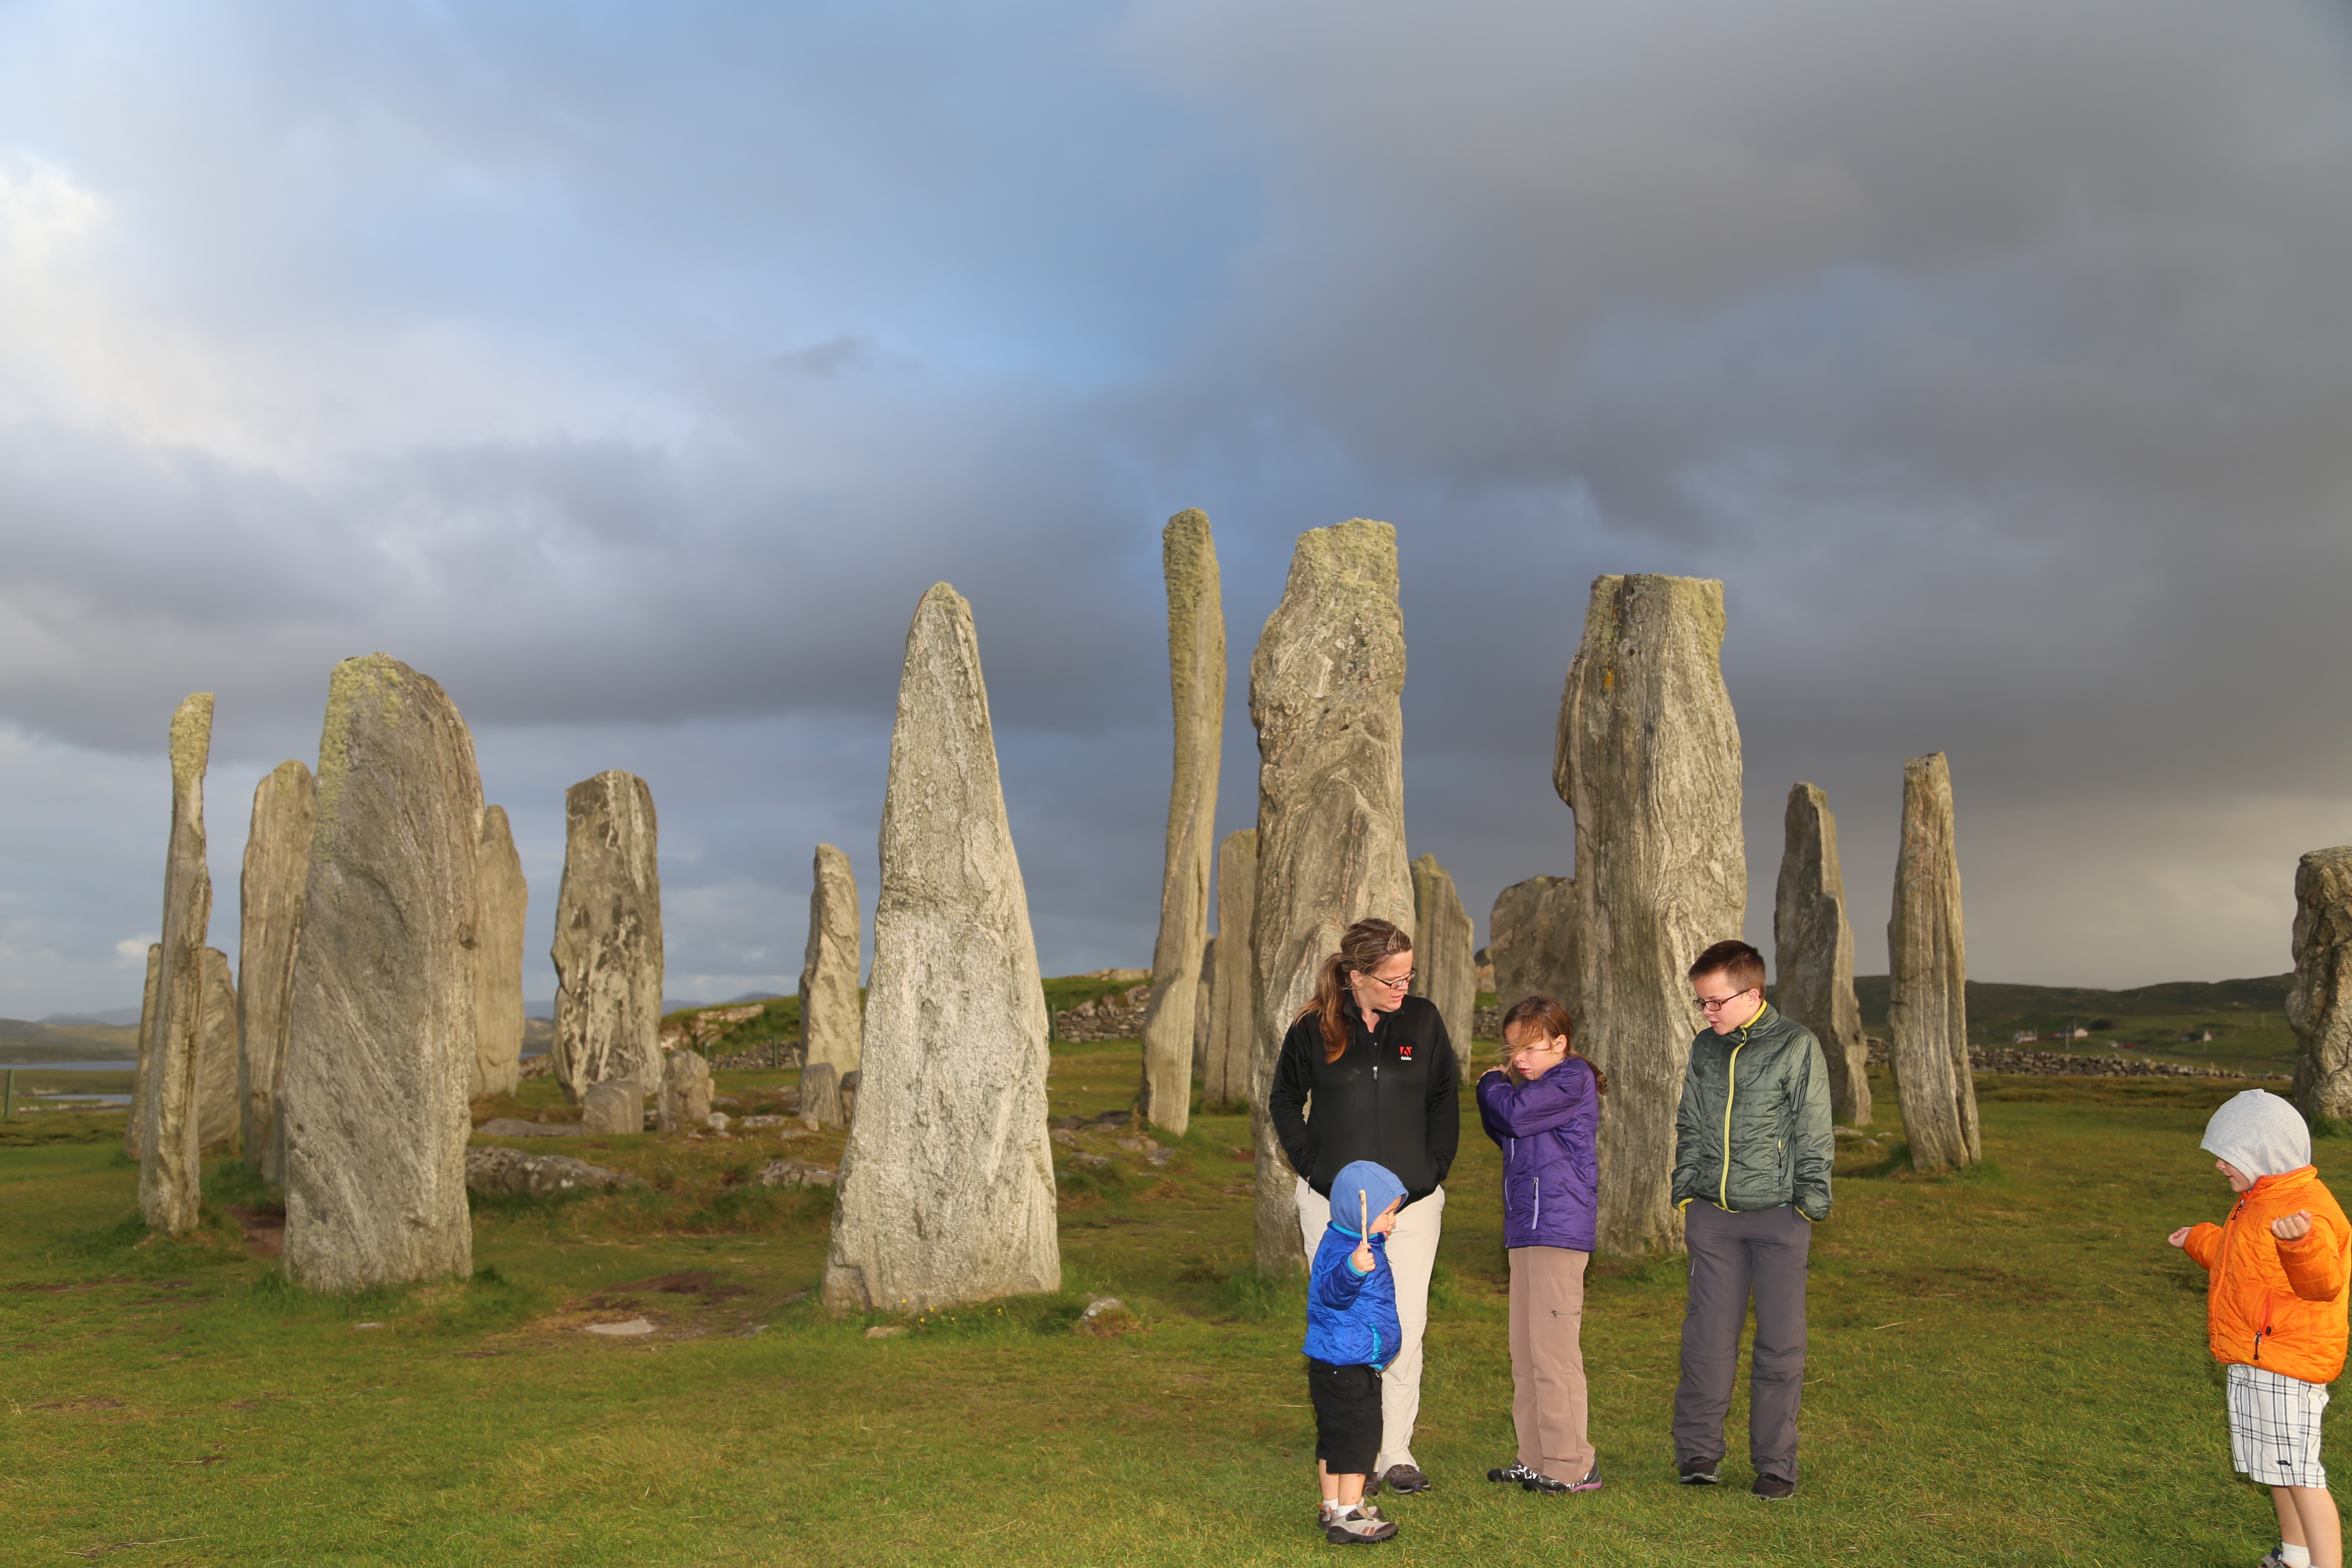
(633,373)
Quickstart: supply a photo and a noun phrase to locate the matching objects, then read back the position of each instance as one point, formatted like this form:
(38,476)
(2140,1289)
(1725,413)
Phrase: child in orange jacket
(2274,1313)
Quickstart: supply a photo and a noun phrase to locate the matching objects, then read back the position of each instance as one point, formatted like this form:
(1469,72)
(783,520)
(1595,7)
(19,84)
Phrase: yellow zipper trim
(1730,1093)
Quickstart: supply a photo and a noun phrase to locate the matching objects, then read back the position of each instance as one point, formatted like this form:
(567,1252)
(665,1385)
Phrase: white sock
(2294,1556)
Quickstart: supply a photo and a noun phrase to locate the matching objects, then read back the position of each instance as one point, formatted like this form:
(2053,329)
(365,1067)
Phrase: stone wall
(2062,1064)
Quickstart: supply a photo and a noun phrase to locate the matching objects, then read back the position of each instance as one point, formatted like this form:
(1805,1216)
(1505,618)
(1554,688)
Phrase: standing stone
(1196,679)
(1442,940)
(685,1092)
(1326,685)
(1927,965)
(613,1105)
(821,1096)
(169,1089)
(269,929)
(1648,757)
(497,963)
(608,936)
(946,1184)
(381,1048)
(216,1098)
(1204,1002)
(832,1011)
(1232,1025)
(146,1026)
(2319,1003)
(1531,943)
(1812,950)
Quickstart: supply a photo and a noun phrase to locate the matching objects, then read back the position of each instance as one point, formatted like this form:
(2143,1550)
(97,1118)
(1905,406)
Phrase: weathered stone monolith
(1648,757)
(2319,1003)
(685,1100)
(139,1075)
(270,930)
(505,901)
(1196,679)
(1204,1002)
(832,1011)
(1531,943)
(380,1049)
(1812,950)
(947,1186)
(216,1097)
(169,1088)
(613,1105)
(1232,1022)
(608,936)
(1442,940)
(1928,999)
(1326,689)
(821,1096)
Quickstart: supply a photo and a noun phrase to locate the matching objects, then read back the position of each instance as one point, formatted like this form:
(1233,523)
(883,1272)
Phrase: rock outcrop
(1812,950)
(1327,684)
(608,936)
(511,1174)
(269,915)
(1531,943)
(498,961)
(832,1011)
(1442,940)
(170,1063)
(1648,756)
(613,1105)
(380,1049)
(685,1100)
(1196,679)
(216,1098)
(1233,1026)
(946,1184)
(2319,1003)
(1927,1006)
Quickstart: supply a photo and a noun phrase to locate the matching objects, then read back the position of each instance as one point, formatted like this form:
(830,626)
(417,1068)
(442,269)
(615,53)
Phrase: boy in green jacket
(1752,1155)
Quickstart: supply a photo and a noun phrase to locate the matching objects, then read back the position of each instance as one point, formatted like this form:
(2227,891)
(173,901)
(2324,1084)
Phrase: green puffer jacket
(1764,1091)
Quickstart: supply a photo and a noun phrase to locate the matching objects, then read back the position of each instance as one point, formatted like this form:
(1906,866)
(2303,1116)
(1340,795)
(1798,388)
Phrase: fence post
(8,1098)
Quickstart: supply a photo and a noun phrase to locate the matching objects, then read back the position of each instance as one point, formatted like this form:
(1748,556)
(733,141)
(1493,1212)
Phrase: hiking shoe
(2275,1558)
(1700,1472)
(1357,1528)
(1406,1479)
(1772,1488)
(1512,1472)
(1550,1487)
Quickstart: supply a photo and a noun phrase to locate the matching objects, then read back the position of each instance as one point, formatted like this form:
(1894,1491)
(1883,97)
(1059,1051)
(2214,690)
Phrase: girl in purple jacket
(1545,1113)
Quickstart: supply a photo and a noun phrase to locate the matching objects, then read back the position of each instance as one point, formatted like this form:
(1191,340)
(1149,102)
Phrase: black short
(1347,1415)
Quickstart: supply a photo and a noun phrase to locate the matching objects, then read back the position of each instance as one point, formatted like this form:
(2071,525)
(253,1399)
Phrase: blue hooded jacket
(1548,1129)
(1351,1318)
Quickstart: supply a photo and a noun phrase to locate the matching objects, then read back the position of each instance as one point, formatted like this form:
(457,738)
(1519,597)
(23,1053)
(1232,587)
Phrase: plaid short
(2274,1426)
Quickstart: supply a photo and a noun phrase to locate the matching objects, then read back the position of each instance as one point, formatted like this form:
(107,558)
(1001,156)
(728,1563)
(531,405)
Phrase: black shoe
(1514,1471)
(1700,1472)
(1550,1487)
(1773,1488)
(1406,1479)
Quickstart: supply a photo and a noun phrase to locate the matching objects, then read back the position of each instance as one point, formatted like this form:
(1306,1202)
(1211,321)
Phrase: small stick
(1363,1215)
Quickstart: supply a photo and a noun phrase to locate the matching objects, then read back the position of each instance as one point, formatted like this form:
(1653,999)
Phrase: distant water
(123,1064)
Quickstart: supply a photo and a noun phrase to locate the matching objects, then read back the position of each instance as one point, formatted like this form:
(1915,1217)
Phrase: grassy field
(2007,1367)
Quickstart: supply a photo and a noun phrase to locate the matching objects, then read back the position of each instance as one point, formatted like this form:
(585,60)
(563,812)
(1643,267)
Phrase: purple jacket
(1551,1176)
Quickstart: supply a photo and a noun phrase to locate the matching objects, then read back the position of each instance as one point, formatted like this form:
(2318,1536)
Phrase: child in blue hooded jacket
(1351,1332)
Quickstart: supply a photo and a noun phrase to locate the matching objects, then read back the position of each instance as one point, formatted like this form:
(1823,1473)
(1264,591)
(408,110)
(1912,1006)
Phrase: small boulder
(797,1174)
(515,1127)
(510,1172)
(1105,1317)
(616,1105)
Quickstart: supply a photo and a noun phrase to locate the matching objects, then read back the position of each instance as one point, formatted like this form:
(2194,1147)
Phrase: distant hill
(1991,1002)
(112,1019)
(23,1042)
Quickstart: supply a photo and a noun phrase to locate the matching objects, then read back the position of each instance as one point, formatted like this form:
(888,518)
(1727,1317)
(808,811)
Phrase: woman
(1382,1075)
(1546,1116)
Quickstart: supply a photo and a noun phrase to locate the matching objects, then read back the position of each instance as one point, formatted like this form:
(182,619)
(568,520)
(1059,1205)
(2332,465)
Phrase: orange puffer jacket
(2272,1303)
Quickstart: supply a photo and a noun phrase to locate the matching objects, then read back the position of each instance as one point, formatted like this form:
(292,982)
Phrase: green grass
(2006,1367)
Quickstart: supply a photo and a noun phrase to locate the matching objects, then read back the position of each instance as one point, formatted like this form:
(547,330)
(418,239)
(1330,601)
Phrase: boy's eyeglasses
(1709,1004)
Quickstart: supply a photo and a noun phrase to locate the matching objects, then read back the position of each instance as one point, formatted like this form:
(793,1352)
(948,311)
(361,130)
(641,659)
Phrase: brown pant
(1547,1398)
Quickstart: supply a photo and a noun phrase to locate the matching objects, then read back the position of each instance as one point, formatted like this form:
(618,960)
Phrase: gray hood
(2259,1134)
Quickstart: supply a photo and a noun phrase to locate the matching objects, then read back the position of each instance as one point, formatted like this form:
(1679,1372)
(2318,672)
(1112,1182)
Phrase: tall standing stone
(832,1012)
(1204,1005)
(380,1051)
(947,1186)
(1927,965)
(1648,757)
(2319,1003)
(216,1098)
(1443,942)
(1531,942)
(1812,950)
(1233,1022)
(270,930)
(1196,679)
(1326,685)
(505,899)
(130,1129)
(608,937)
(169,1089)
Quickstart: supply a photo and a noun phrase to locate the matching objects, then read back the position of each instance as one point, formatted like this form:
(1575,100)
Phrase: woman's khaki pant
(1548,1389)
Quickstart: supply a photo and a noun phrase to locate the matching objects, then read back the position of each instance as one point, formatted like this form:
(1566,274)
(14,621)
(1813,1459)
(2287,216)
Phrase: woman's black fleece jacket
(1389,1099)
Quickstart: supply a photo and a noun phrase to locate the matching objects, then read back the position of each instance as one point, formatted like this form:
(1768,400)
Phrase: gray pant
(1731,1255)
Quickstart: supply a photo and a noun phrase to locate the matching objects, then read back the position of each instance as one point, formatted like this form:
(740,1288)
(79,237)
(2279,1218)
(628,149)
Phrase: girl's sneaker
(1545,1484)
(1356,1527)
(1514,1471)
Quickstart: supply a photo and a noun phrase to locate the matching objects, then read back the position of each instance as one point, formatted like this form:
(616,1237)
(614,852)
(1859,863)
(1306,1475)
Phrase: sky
(633,371)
